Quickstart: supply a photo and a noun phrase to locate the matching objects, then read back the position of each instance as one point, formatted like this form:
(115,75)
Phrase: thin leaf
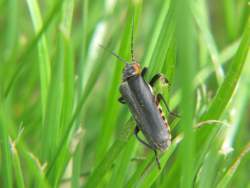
(7,179)
(31,46)
(107,161)
(224,182)
(44,62)
(147,179)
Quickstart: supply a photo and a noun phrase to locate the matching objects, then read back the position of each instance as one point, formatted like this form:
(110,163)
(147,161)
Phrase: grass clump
(61,124)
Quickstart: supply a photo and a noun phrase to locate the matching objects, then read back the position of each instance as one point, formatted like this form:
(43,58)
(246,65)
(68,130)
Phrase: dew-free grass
(61,124)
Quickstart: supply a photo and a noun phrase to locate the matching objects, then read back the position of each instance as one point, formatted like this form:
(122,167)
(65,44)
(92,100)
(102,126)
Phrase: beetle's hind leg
(159,97)
(136,131)
(147,145)
(157,77)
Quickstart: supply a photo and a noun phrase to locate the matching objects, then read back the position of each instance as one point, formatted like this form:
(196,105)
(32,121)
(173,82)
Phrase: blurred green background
(61,124)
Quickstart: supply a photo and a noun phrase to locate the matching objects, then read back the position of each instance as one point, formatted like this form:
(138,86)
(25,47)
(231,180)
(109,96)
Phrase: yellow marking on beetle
(137,68)
(161,113)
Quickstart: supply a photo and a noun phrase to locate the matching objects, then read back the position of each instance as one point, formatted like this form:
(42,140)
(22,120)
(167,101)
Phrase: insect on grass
(143,104)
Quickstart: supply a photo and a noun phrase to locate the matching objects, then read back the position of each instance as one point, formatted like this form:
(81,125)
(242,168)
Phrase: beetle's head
(131,70)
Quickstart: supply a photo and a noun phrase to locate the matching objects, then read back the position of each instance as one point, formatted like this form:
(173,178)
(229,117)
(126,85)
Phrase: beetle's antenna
(114,54)
(132,39)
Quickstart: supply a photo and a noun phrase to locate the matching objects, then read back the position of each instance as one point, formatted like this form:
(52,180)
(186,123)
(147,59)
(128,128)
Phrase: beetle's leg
(159,98)
(144,71)
(122,100)
(147,145)
(157,160)
(140,140)
(156,77)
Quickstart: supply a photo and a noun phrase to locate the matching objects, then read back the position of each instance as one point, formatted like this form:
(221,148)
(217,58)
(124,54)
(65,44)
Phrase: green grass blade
(11,28)
(164,42)
(224,57)
(44,62)
(229,52)
(107,161)
(239,104)
(84,45)
(162,39)
(111,108)
(68,72)
(122,165)
(61,98)
(170,62)
(224,182)
(51,134)
(209,168)
(229,16)
(156,34)
(76,90)
(17,168)
(185,44)
(147,179)
(31,46)
(63,146)
(34,167)
(201,20)
(226,90)
(224,94)
(6,154)
(139,171)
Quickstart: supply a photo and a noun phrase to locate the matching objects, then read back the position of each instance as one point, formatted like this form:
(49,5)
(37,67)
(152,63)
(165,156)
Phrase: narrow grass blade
(224,94)
(122,165)
(51,134)
(226,90)
(186,46)
(208,171)
(140,169)
(111,109)
(44,62)
(156,34)
(63,146)
(147,179)
(35,168)
(61,98)
(6,155)
(31,46)
(202,23)
(229,15)
(17,166)
(238,105)
(224,182)
(107,161)
(163,36)
(11,29)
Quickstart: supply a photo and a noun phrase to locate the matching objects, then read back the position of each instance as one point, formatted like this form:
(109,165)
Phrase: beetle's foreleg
(157,77)
(159,98)
(122,100)
(157,160)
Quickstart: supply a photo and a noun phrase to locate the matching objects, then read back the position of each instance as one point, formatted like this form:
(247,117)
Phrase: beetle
(144,105)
